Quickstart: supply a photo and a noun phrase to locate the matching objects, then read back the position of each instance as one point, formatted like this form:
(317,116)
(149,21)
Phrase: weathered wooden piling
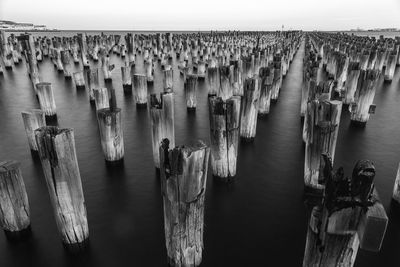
(33,119)
(225,89)
(353,73)
(66,63)
(14,205)
(84,49)
(277,83)
(92,82)
(323,118)
(183,178)
(101,98)
(190,87)
(140,89)
(249,111)
(237,81)
(266,79)
(111,134)
(396,188)
(224,135)
(79,80)
(162,117)
(168,80)
(130,45)
(362,106)
(126,79)
(390,66)
(350,216)
(60,166)
(106,67)
(213,81)
(46,99)
(148,66)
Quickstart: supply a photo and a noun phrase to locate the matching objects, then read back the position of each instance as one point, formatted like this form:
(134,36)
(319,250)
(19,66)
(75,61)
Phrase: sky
(204,14)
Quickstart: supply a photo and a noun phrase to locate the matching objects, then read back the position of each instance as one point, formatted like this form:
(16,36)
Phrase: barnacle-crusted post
(224,135)
(350,216)
(362,106)
(323,118)
(110,127)
(140,89)
(161,113)
(249,110)
(183,177)
(190,87)
(60,166)
(33,119)
(266,79)
(14,205)
(46,99)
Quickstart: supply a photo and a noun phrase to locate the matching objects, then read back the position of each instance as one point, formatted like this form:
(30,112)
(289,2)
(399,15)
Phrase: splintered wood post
(168,80)
(225,90)
(353,73)
(84,49)
(92,82)
(224,135)
(33,119)
(161,113)
(140,89)
(105,66)
(364,96)
(190,87)
(60,166)
(79,80)
(350,216)
(126,79)
(323,118)
(213,81)
(67,64)
(111,134)
(101,98)
(249,111)
(396,188)
(46,99)
(14,205)
(130,45)
(183,179)
(148,67)
(266,79)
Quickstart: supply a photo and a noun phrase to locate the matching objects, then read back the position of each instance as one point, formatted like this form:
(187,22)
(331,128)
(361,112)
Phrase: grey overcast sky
(204,14)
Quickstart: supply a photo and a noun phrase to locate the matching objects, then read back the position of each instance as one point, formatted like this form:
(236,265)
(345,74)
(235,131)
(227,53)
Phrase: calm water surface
(259,220)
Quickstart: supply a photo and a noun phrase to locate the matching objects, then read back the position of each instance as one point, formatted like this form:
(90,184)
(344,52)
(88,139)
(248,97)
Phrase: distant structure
(7,25)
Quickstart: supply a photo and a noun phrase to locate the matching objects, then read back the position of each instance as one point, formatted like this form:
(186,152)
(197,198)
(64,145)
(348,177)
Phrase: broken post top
(157,103)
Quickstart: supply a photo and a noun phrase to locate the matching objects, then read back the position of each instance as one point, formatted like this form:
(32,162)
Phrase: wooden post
(391,66)
(33,119)
(224,135)
(213,81)
(237,81)
(140,89)
(5,52)
(168,80)
(396,188)
(351,82)
(190,87)
(111,134)
(79,80)
(14,205)
(83,47)
(60,166)
(161,113)
(248,117)
(66,62)
(126,79)
(276,85)
(351,216)
(148,66)
(364,96)
(46,99)
(183,178)
(323,118)
(101,98)
(92,82)
(266,79)
(130,45)
(225,90)
(105,65)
